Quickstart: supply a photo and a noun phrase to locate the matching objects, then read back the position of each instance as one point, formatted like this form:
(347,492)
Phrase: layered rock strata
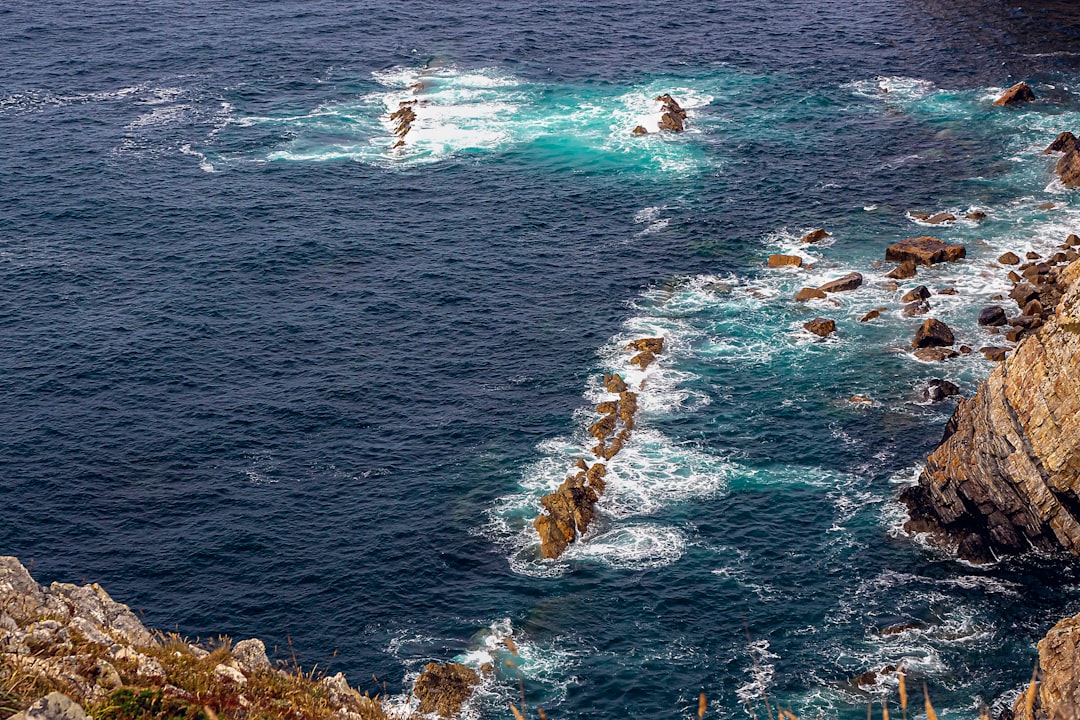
(1006,477)
(570,510)
(1057,694)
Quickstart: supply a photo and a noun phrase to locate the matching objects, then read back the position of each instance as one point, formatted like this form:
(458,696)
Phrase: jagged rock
(639,131)
(643,359)
(994,353)
(871,677)
(903,271)
(809,294)
(250,655)
(820,326)
(924,250)
(976,215)
(1032,255)
(614,383)
(653,345)
(1018,93)
(1068,168)
(935,354)
(606,408)
(603,427)
(1023,294)
(1008,476)
(671,122)
(553,541)
(993,315)
(860,400)
(443,689)
(933,333)
(844,284)
(815,236)
(54,706)
(1073,240)
(1034,307)
(1064,142)
(920,292)
(872,315)
(937,390)
(1058,692)
(776,261)
(1009,258)
(628,408)
(916,308)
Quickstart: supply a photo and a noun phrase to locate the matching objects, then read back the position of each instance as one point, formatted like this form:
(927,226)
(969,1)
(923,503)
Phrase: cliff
(1057,694)
(1006,477)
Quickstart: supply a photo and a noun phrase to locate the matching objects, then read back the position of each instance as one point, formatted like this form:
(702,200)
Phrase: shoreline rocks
(924,250)
(672,116)
(1018,93)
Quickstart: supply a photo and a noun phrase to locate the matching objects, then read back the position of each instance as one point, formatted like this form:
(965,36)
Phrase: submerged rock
(903,271)
(1018,93)
(809,294)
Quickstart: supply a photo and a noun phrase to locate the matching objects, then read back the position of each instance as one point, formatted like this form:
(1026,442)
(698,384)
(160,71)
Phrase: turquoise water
(266,375)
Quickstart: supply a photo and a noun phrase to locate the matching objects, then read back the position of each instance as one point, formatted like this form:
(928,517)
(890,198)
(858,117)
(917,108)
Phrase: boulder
(670,121)
(903,271)
(605,408)
(924,250)
(1007,477)
(916,308)
(1032,255)
(1064,142)
(639,131)
(948,291)
(1024,293)
(614,383)
(937,390)
(444,689)
(992,315)
(250,655)
(976,215)
(643,359)
(815,236)
(872,315)
(809,294)
(1068,168)
(920,292)
(1009,258)
(653,345)
(1034,307)
(670,105)
(776,261)
(1073,240)
(553,541)
(54,706)
(820,326)
(994,353)
(844,284)
(941,217)
(1018,93)
(935,354)
(933,333)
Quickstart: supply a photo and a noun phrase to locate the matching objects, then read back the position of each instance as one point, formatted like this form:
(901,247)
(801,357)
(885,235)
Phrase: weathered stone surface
(250,655)
(1007,477)
(976,215)
(815,236)
(672,116)
(920,292)
(776,261)
(844,284)
(639,131)
(1009,258)
(1068,168)
(1058,692)
(937,390)
(872,315)
(916,308)
(1064,142)
(935,354)
(809,294)
(903,271)
(820,326)
(614,383)
(444,689)
(933,333)
(924,250)
(1018,93)
(653,345)
(993,315)
(994,353)
(54,706)
(941,217)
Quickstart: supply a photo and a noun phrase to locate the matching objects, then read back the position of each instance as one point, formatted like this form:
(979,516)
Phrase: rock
(1006,479)
(639,131)
(1032,308)
(603,427)
(553,541)
(1009,258)
(250,655)
(1023,294)
(1032,255)
(54,706)
(976,215)
(809,294)
(933,333)
(903,271)
(820,326)
(872,315)
(614,383)
(627,408)
(671,105)
(815,236)
(1058,692)
(1018,93)
(935,354)
(920,292)
(916,308)
(994,353)
(776,261)
(965,349)
(653,345)
(871,677)
(670,121)
(948,291)
(924,250)
(1064,142)
(844,284)
(1047,206)
(230,673)
(1073,240)
(941,217)
(992,315)
(443,689)
(1068,168)
(643,359)
(860,400)
(937,390)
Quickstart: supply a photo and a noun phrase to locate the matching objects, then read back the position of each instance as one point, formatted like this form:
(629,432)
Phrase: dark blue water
(262,376)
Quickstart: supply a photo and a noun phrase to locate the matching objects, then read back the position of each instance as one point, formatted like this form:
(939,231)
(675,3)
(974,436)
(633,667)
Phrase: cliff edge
(1006,477)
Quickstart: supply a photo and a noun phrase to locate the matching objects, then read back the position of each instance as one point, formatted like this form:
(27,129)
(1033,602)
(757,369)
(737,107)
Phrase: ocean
(262,375)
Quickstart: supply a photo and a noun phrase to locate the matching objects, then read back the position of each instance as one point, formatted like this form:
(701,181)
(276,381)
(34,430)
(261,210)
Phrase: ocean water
(263,375)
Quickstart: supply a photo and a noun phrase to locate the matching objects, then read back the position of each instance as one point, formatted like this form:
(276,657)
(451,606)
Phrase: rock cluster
(1006,477)
(672,117)
(571,508)
(403,119)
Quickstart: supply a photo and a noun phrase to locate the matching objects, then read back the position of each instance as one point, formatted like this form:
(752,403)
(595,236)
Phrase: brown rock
(643,359)
(603,427)
(993,315)
(1032,255)
(916,308)
(1018,93)
(1058,691)
(815,236)
(1068,168)
(776,261)
(670,121)
(993,352)
(941,217)
(1064,142)
(903,271)
(965,349)
(820,326)
(670,105)
(935,354)
(443,689)
(627,408)
(1047,206)
(1073,240)
(809,294)
(1023,294)
(1059,258)
(1032,308)
(920,292)
(924,250)
(639,131)
(948,291)
(582,465)
(614,383)
(653,345)
(860,400)
(1005,477)
(933,333)
(844,284)
(606,408)
(872,315)
(976,215)
(1009,258)
(1014,277)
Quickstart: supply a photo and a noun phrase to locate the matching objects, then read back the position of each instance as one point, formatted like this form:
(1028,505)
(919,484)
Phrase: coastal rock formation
(1058,691)
(570,510)
(903,271)
(933,333)
(776,261)
(1006,477)
(402,119)
(1018,93)
(807,293)
(444,688)
(924,250)
(844,284)
(672,116)
(1068,165)
(815,236)
(820,327)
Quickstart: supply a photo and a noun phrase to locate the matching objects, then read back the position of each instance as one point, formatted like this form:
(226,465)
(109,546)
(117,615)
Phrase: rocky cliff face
(1058,692)
(1006,477)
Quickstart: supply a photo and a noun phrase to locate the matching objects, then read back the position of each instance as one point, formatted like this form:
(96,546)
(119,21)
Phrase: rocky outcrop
(1068,165)
(776,261)
(402,120)
(933,333)
(1057,694)
(815,236)
(570,510)
(445,688)
(672,117)
(1006,477)
(820,327)
(1018,93)
(924,250)
(844,284)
